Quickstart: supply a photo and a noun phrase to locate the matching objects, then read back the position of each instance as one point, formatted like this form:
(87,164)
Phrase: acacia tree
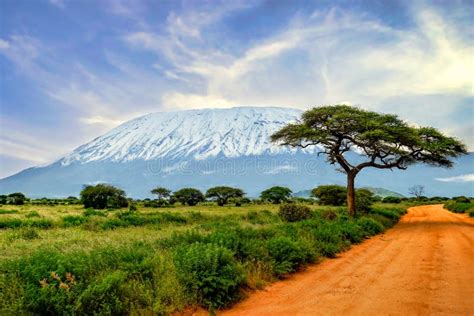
(384,140)
(222,194)
(161,193)
(276,194)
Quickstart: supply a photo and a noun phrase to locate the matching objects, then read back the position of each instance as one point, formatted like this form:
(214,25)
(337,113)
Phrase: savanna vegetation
(71,258)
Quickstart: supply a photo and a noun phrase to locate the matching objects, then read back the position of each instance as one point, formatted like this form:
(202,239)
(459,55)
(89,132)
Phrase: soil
(422,266)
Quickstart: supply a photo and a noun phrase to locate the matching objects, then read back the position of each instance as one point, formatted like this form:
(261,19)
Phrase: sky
(71,70)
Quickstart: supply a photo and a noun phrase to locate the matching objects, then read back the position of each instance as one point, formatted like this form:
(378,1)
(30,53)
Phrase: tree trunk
(351,199)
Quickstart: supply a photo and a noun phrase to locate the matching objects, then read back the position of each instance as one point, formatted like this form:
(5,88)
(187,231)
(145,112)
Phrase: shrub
(391,199)
(294,212)
(363,200)
(330,194)
(32,214)
(458,207)
(73,220)
(370,226)
(209,271)
(461,199)
(91,212)
(43,223)
(329,238)
(103,196)
(287,255)
(471,213)
(329,215)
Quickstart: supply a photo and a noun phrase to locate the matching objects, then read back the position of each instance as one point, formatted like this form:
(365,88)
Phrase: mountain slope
(196,134)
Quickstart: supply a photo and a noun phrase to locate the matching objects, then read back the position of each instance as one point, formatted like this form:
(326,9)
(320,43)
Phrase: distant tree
(385,140)
(330,194)
(16,198)
(189,196)
(161,193)
(3,199)
(222,194)
(417,190)
(276,194)
(102,196)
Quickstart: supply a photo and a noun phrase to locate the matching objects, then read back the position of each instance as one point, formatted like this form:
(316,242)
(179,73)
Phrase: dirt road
(423,266)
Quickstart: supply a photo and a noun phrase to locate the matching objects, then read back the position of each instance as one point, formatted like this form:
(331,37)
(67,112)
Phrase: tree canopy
(102,196)
(385,141)
(189,196)
(222,194)
(161,193)
(276,194)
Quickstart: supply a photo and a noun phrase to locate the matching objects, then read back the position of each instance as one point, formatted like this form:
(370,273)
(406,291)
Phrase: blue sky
(71,70)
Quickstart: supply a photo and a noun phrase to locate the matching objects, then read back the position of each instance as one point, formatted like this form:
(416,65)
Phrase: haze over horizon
(71,71)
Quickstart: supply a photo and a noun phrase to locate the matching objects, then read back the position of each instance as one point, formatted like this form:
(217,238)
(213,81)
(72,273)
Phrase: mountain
(204,148)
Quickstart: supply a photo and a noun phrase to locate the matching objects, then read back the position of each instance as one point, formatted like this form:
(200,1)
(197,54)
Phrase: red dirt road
(423,266)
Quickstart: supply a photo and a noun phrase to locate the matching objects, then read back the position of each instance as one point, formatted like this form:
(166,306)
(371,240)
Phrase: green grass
(67,260)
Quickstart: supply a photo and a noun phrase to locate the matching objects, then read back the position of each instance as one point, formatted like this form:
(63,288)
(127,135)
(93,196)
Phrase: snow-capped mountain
(210,147)
(195,134)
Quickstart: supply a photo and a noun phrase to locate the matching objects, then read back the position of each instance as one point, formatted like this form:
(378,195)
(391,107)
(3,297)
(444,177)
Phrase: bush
(471,213)
(329,238)
(73,220)
(294,212)
(363,200)
(209,271)
(458,207)
(16,199)
(32,214)
(103,196)
(91,212)
(370,226)
(461,199)
(330,194)
(391,199)
(287,255)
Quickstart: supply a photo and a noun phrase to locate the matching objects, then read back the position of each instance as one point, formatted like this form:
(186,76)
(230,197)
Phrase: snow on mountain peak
(197,134)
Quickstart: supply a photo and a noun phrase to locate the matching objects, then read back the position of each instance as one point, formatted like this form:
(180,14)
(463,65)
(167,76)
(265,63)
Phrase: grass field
(67,260)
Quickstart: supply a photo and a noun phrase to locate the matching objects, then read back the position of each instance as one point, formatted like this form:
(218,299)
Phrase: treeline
(105,196)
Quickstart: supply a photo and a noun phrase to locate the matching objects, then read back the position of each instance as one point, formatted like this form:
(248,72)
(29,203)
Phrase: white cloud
(462,178)
(58,3)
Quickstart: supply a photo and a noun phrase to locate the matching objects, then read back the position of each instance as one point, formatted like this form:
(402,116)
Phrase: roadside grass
(460,207)
(158,261)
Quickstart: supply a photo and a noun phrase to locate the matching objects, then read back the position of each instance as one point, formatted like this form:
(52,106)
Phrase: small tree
(222,194)
(276,194)
(330,194)
(161,193)
(384,140)
(189,196)
(417,191)
(16,198)
(102,196)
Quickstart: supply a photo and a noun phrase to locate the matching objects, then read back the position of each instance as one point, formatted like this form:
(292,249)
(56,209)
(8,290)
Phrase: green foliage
(461,199)
(73,220)
(391,200)
(222,194)
(209,271)
(91,212)
(8,212)
(161,193)
(370,226)
(103,196)
(287,255)
(276,194)
(189,196)
(32,214)
(294,212)
(16,199)
(330,194)
(364,200)
(458,207)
